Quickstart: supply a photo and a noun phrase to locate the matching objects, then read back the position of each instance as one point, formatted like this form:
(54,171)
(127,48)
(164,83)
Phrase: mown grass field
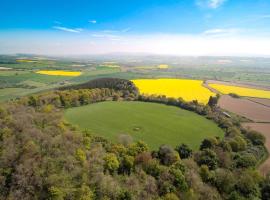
(156,124)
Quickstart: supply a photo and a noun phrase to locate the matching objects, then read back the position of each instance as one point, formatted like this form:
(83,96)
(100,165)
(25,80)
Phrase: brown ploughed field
(265,102)
(246,108)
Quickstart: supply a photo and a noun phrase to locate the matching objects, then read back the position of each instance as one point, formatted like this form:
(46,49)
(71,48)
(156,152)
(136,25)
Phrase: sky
(173,27)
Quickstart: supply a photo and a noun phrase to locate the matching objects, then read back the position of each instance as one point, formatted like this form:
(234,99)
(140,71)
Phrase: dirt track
(265,102)
(246,108)
(263,128)
(247,85)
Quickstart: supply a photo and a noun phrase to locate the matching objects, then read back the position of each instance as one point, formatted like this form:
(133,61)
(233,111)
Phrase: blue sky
(183,27)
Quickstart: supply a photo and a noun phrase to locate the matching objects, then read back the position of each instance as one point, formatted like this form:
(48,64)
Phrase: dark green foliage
(184,151)
(207,157)
(111,83)
(255,137)
(234,95)
(208,143)
(213,101)
(266,189)
(245,160)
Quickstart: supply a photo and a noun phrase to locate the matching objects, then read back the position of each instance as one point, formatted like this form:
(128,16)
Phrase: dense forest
(44,157)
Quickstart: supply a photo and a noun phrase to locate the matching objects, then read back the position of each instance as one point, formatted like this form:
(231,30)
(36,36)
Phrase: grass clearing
(153,123)
(189,90)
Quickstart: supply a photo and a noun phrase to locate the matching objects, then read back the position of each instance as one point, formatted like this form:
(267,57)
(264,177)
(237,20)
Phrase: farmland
(189,90)
(246,108)
(153,123)
(59,73)
(241,91)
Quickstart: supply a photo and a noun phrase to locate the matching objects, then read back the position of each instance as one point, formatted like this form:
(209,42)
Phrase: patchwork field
(189,90)
(241,91)
(153,123)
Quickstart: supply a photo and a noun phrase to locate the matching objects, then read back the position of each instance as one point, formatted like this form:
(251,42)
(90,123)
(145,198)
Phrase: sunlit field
(163,66)
(154,123)
(241,91)
(110,65)
(189,90)
(26,61)
(59,73)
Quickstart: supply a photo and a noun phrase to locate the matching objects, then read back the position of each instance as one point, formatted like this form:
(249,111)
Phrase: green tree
(111,162)
(207,157)
(184,151)
(167,155)
(85,193)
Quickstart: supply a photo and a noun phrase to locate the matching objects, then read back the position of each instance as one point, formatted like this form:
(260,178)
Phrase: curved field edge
(186,89)
(156,124)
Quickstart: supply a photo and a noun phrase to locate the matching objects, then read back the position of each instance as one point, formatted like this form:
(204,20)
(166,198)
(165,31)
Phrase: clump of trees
(43,157)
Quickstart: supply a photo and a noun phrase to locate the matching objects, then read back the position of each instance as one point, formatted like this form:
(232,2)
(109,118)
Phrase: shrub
(184,151)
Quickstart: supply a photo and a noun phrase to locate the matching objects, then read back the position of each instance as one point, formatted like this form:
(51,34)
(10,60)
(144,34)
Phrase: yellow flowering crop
(26,60)
(163,66)
(187,89)
(59,73)
(241,91)
(110,65)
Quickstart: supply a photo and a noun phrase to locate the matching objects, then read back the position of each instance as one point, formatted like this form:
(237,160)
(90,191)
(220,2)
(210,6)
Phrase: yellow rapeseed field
(59,73)
(187,89)
(26,60)
(163,66)
(241,91)
(110,65)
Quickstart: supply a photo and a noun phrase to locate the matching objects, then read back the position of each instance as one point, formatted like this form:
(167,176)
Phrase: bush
(207,157)
(167,155)
(255,137)
(184,151)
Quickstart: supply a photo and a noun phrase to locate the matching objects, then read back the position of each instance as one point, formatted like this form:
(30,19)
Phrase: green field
(156,124)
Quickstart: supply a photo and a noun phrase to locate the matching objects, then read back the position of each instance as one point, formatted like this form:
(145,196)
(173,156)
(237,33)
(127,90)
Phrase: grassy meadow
(153,123)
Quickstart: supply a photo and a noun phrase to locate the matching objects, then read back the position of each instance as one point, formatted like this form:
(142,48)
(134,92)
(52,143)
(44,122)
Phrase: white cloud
(213,4)
(93,21)
(61,28)
(117,31)
(221,32)
(167,44)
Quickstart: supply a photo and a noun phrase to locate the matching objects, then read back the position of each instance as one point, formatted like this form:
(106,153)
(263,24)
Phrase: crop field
(246,108)
(59,73)
(153,123)
(189,90)
(241,91)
